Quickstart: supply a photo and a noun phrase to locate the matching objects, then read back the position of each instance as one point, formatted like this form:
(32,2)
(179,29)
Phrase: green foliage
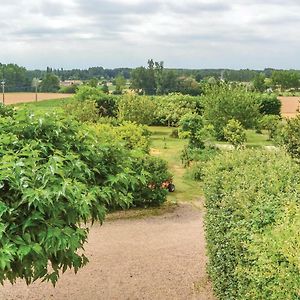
(82,111)
(269,105)
(155,171)
(271,123)
(107,104)
(68,89)
(50,83)
(6,111)
(286,79)
(259,82)
(93,82)
(170,109)
(252,225)
(120,83)
(192,127)
(132,136)
(225,102)
(134,108)
(234,133)
(55,176)
(290,137)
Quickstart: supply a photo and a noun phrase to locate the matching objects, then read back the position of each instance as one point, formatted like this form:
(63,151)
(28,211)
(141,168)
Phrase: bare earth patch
(290,106)
(161,257)
(13,98)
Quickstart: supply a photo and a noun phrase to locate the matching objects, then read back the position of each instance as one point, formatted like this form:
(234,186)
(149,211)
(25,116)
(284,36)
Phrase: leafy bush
(106,104)
(69,89)
(271,123)
(290,137)
(132,136)
(253,213)
(6,111)
(155,170)
(134,108)
(82,111)
(225,102)
(54,177)
(170,109)
(192,127)
(269,105)
(234,133)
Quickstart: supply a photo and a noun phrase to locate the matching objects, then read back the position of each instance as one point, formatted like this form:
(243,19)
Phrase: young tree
(50,83)
(234,133)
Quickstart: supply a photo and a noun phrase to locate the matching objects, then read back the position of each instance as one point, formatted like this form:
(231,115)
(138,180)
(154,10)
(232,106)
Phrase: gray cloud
(192,33)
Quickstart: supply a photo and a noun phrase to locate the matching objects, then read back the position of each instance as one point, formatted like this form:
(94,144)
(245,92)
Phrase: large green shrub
(135,108)
(225,102)
(106,104)
(170,109)
(234,133)
(253,212)
(55,175)
(290,137)
(269,104)
(155,171)
(192,126)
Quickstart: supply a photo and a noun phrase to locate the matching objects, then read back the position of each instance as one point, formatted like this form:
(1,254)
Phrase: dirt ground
(290,106)
(12,98)
(161,257)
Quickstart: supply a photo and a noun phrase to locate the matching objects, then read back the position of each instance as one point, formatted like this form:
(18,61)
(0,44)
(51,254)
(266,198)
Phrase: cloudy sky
(114,33)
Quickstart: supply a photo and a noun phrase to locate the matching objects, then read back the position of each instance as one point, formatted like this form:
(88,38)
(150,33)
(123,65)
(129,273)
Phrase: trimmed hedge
(252,225)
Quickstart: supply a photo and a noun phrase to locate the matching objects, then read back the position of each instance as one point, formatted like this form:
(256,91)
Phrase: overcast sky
(125,33)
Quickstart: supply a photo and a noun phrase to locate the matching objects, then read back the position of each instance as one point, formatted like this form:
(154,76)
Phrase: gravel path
(159,257)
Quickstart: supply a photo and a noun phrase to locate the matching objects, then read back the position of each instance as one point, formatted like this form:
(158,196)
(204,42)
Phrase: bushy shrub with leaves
(192,127)
(290,137)
(131,135)
(55,175)
(271,123)
(155,171)
(135,108)
(224,102)
(6,111)
(170,109)
(82,111)
(252,225)
(107,104)
(269,104)
(234,133)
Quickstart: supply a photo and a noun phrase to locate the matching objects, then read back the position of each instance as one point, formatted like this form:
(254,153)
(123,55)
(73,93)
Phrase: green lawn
(45,105)
(170,149)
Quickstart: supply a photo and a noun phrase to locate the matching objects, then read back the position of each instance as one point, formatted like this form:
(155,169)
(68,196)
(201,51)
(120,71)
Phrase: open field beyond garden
(13,98)
(290,106)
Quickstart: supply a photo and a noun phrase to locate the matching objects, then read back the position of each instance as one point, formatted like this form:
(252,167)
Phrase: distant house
(70,82)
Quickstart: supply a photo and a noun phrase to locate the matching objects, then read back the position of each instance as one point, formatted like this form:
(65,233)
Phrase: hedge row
(253,225)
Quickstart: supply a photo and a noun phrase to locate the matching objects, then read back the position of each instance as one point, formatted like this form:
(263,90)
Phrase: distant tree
(286,79)
(120,83)
(105,88)
(188,86)
(259,82)
(93,82)
(50,83)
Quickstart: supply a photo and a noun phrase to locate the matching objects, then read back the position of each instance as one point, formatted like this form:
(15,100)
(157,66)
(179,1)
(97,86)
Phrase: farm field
(13,98)
(290,106)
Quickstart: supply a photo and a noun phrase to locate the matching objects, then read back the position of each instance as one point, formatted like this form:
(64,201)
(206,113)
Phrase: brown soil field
(156,257)
(290,106)
(12,98)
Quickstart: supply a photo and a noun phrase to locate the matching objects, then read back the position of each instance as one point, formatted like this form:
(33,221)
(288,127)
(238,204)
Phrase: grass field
(13,98)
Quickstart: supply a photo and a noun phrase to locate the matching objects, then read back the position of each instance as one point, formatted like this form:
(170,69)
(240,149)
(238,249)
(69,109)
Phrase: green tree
(286,79)
(93,82)
(224,102)
(234,133)
(259,82)
(135,108)
(50,83)
(120,83)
